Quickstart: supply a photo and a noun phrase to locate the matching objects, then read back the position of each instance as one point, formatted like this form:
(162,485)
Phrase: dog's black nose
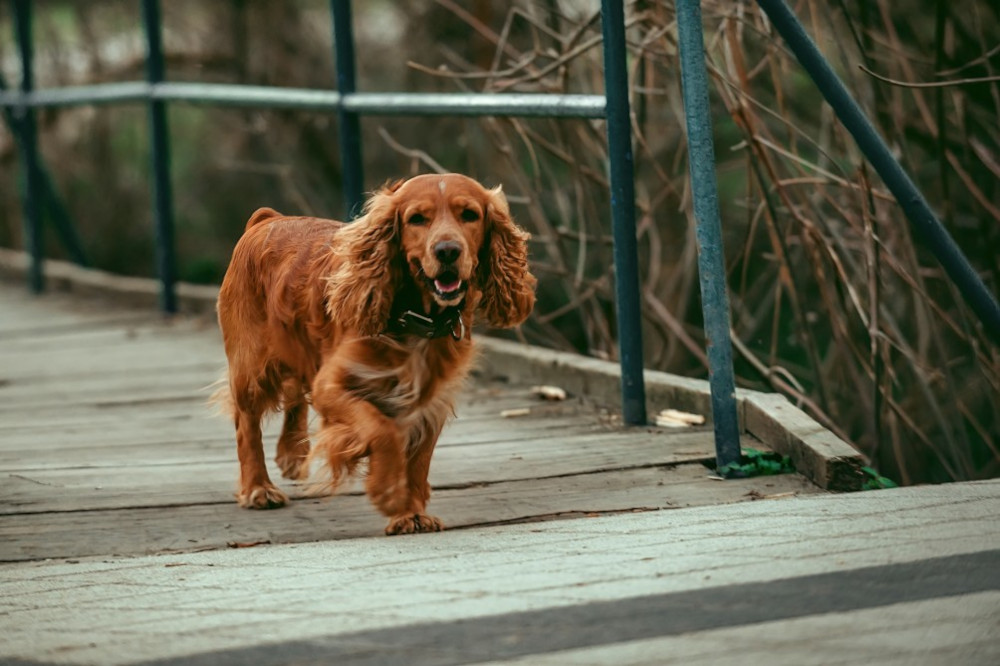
(447,251)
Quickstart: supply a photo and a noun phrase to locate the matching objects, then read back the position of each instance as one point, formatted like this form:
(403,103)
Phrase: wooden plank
(53,441)
(108,339)
(822,456)
(184,399)
(104,331)
(90,418)
(24,397)
(17,331)
(499,445)
(23,314)
(168,406)
(88,489)
(56,445)
(60,362)
(131,455)
(195,378)
(208,526)
(199,471)
(137,408)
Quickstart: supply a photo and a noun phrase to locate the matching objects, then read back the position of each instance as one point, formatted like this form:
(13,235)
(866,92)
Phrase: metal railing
(349,104)
(708,231)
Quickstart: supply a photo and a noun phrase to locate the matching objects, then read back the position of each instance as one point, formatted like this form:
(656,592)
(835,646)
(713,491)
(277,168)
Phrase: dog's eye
(469,215)
(417,219)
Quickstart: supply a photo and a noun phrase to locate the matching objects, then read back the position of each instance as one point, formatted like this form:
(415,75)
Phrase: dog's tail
(261,215)
(221,399)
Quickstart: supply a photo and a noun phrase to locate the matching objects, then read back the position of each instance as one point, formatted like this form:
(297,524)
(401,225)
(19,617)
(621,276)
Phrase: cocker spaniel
(370,323)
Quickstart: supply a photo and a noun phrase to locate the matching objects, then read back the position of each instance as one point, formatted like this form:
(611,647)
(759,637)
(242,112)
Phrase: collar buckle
(449,322)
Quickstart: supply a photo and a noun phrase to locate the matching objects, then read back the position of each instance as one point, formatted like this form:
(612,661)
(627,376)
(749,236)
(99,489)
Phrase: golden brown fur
(305,308)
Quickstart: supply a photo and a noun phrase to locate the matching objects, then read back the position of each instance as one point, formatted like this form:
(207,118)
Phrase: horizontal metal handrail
(105,93)
(478,104)
(367,103)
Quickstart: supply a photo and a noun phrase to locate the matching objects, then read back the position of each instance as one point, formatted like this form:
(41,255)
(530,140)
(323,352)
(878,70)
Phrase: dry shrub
(833,303)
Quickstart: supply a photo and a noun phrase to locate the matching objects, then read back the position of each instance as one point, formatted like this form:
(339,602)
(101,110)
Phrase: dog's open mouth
(448,286)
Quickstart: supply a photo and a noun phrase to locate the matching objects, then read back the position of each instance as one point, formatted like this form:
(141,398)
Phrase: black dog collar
(447,322)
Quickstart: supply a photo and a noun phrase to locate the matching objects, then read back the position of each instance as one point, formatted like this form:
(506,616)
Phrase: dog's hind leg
(293,444)
(256,490)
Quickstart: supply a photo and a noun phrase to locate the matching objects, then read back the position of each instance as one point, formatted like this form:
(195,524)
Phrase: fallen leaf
(548,392)
(247,544)
(776,495)
(665,422)
(511,413)
(675,418)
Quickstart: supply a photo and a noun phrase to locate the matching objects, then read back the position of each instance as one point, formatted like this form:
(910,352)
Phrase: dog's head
(447,238)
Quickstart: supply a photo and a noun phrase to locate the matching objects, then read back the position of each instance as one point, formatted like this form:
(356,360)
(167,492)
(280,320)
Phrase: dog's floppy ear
(508,287)
(360,292)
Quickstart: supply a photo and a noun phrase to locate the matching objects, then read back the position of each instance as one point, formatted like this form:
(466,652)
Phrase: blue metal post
(623,212)
(163,212)
(711,259)
(350,125)
(27,140)
(916,208)
(47,195)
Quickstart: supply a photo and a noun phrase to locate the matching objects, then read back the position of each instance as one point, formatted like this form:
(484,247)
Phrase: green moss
(757,463)
(875,481)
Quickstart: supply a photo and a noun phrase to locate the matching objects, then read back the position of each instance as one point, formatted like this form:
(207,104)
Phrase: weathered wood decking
(107,447)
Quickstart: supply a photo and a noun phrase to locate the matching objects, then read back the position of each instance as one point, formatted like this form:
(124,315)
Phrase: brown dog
(369,322)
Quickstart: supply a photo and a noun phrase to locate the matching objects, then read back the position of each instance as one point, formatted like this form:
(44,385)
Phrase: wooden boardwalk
(107,447)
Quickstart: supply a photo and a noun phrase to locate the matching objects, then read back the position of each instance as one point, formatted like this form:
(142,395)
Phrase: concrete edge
(65,277)
(818,454)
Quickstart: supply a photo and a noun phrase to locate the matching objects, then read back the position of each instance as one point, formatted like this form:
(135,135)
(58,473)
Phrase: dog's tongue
(447,287)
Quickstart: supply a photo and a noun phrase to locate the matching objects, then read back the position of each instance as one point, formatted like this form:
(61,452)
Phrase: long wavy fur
(360,291)
(508,287)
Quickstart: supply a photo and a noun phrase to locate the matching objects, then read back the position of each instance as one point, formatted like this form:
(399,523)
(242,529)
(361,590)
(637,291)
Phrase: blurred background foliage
(833,302)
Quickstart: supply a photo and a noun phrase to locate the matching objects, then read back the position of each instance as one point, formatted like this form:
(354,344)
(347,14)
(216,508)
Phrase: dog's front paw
(413,523)
(265,496)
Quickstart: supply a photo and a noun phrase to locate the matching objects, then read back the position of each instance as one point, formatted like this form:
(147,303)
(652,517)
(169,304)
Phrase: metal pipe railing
(163,204)
(102,93)
(27,142)
(48,199)
(521,105)
(351,168)
(708,231)
(622,168)
(924,221)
